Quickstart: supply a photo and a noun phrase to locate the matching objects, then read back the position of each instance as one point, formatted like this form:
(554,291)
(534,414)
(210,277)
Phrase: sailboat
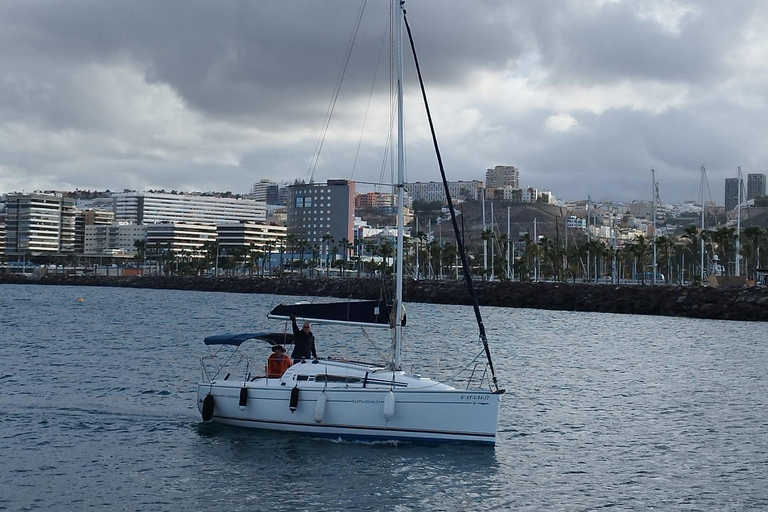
(339,398)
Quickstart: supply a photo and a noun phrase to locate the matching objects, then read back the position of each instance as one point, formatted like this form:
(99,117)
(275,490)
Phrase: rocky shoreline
(749,304)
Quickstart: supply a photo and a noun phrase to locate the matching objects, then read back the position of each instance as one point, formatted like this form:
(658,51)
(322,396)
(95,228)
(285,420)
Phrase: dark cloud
(584,96)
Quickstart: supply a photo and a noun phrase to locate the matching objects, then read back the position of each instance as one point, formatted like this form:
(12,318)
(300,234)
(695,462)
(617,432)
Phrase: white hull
(423,410)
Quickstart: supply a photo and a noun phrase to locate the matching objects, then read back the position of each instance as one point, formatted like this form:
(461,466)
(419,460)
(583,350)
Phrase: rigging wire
(370,98)
(335,96)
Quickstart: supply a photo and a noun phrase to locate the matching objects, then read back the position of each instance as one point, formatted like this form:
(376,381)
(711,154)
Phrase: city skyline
(127,95)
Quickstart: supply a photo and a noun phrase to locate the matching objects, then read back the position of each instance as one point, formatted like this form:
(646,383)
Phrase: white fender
(389,405)
(322,400)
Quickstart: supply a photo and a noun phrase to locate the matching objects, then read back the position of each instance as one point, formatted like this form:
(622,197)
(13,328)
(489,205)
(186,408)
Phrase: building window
(299,202)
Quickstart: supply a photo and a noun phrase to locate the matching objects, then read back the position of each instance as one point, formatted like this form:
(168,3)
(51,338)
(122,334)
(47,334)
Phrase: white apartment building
(2,233)
(434,191)
(250,235)
(115,240)
(39,224)
(181,238)
(149,208)
(530,195)
(574,222)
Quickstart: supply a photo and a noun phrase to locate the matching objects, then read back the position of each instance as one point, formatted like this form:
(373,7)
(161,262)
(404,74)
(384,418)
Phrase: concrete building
(511,194)
(2,234)
(641,209)
(375,200)
(148,208)
(181,238)
(317,209)
(502,176)
(755,185)
(434,191)
(574,222)
(116,240)
(530,195)
(89,217)
(266,191)
(732,193)
(39,224)
(250,235)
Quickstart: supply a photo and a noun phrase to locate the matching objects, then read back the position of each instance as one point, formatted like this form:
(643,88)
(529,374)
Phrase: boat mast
(396,362)
(653,186)
(738,228)
(703,210)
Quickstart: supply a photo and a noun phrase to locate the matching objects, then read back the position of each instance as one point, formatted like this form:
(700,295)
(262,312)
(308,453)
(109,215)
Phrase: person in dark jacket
(303,341)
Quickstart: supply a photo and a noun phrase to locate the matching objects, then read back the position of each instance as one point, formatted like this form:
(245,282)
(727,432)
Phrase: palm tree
(754,236)
(665,245)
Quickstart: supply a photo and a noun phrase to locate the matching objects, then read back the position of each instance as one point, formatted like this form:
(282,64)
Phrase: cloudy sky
(584,96)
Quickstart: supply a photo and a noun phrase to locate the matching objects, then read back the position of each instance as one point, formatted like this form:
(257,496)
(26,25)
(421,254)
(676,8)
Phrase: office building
(732,193)
(318,209)
(755,186)
(39,225)
(149,208)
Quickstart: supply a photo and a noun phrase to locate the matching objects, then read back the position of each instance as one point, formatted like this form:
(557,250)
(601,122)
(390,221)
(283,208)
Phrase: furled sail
(273,338)
(367,313)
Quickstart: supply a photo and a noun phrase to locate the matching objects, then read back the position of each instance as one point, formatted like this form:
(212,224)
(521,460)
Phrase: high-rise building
(755,185)
(732,193)
(319,209)
(267,191)
(39,224)
(502,176)
(149,208)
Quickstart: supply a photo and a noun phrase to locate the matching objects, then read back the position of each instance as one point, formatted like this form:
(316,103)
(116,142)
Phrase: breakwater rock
(695,302)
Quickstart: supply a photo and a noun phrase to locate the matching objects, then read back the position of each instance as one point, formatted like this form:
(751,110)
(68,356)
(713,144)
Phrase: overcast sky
(584,96)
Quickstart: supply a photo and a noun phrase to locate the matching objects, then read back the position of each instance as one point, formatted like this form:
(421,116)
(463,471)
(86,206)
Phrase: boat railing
(482,378)
(476,375)
(211,368)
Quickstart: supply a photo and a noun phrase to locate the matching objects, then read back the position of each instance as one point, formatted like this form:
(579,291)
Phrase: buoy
(243,398)
(80,299)
(320,407)
(389,405)
(208,407)
(294,403)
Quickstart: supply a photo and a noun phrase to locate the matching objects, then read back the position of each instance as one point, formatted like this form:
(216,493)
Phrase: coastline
(743,304)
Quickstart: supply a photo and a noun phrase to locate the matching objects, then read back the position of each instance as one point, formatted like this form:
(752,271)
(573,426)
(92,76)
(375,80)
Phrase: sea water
(98,411)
